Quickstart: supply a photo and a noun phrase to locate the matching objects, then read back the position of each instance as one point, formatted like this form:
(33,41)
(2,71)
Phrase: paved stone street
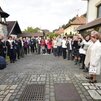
(46,70)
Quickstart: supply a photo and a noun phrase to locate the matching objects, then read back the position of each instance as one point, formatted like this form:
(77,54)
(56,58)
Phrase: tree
(31,30)
(51,35)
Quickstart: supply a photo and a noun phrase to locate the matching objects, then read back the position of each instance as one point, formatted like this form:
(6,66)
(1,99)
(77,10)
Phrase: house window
(99,11)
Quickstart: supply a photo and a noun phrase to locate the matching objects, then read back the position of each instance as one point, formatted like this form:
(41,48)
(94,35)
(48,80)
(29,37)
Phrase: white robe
(95,58)
(88,54)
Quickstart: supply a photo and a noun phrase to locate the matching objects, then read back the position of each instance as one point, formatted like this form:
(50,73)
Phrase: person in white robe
(95,57)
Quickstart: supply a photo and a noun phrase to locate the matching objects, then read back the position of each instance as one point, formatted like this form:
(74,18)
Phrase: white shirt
(11,41)
(70,44)
(64,43)
(54,44)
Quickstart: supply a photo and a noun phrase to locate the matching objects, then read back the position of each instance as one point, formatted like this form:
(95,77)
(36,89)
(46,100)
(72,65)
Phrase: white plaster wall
(92,10)
(71,29)
(3,29)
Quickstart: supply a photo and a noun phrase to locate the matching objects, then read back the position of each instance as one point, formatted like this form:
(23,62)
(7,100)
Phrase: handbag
(92,70)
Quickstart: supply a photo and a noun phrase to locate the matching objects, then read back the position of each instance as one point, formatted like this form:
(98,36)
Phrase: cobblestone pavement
(48,70)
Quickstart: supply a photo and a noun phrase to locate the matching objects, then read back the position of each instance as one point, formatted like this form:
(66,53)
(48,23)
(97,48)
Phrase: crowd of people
(85,51)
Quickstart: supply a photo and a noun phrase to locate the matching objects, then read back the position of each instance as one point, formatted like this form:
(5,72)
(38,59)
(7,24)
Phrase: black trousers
(39,48)
(32,49)
(12,55)
(49,51)
(59,51)
(64,53)
(82,59)
(69,54)
(55,51)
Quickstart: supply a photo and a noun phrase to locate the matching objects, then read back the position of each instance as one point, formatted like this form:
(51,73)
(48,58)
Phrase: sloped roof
(91,24)
(3,14)
(78,20)
(10,25)
(30,34)
(13,27)
(46,31)
(59,31)
(38,34)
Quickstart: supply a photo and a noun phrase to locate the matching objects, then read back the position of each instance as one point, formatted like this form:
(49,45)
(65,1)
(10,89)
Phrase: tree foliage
(31,30)
(51,35)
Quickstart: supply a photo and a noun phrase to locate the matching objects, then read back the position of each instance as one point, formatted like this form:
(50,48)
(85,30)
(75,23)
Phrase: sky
(45,14)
